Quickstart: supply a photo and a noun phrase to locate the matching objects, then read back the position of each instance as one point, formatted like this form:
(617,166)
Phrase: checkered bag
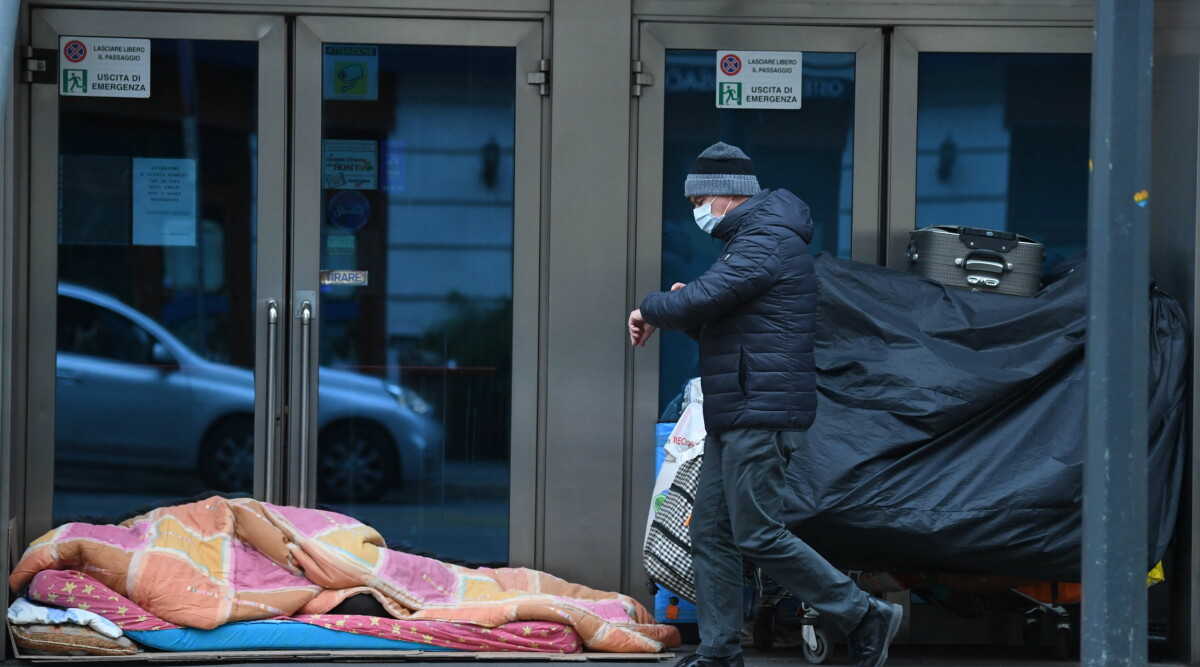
(668,552)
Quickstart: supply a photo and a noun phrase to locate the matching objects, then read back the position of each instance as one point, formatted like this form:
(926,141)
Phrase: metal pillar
(9,12)
(1114,490)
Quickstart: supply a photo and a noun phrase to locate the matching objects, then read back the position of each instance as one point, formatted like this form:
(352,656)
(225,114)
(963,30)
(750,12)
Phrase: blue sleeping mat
(268,635)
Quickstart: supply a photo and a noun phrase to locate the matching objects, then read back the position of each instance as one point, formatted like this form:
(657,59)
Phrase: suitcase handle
(984,260)
(988,239)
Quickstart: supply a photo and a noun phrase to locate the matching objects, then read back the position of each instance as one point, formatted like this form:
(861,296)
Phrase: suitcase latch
(986,281)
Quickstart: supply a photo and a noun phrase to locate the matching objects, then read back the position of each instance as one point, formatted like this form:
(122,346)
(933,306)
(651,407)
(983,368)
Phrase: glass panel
(1002,143)
(809,151)
(155,382)
(416,354)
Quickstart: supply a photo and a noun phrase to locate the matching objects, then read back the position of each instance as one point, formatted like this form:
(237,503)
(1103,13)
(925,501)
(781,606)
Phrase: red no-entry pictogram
(75,51)
(731,64)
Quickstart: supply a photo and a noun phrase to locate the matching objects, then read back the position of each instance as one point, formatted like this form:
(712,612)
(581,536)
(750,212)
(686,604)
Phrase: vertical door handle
(305,382)
(272,351)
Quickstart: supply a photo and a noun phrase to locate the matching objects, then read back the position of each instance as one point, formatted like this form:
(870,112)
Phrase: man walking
(754,314)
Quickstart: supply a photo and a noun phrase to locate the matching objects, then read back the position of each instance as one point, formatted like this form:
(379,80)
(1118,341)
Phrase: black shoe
(697,660)
(868,644)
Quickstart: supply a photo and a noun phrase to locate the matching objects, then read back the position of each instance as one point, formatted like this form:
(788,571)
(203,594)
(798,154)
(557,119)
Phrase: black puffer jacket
(754,313)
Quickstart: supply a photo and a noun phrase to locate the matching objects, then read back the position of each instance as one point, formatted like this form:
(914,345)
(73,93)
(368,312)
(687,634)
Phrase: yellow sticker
(1156,575)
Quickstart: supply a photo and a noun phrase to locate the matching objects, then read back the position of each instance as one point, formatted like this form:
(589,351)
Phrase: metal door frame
(47,25)
(527,39)
(654,39)
(907,46)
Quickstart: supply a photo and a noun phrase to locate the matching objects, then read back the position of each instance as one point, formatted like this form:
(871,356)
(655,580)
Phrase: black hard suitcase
(983,260)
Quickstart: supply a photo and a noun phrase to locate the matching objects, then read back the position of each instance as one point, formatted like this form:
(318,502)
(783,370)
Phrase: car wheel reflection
(355,462)
(228,461)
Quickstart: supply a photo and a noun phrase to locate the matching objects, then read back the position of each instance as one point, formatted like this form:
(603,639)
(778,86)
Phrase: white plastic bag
(685,443)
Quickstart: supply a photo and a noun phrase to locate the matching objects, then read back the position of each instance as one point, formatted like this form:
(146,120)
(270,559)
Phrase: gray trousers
(737,510)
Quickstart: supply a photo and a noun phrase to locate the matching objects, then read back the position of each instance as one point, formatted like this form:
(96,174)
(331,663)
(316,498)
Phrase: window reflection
(154,387)
(434,321)
(809,151)
(1002,143)
(84,328)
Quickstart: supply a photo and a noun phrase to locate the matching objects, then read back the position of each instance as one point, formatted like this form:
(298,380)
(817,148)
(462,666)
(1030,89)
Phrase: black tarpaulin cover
(950,430)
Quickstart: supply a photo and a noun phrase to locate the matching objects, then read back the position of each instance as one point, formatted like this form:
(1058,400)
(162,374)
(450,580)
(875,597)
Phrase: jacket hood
(777,208)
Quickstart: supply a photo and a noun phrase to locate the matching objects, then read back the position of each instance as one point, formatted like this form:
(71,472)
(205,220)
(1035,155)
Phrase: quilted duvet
(222,560)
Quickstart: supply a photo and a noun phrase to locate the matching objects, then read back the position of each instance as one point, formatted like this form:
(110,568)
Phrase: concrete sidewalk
(932,656)
(901,656)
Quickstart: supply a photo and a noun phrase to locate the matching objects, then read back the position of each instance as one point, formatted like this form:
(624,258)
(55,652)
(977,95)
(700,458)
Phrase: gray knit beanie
(721,170)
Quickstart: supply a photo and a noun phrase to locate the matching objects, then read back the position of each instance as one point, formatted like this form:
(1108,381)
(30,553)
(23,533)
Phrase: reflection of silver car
(131,394)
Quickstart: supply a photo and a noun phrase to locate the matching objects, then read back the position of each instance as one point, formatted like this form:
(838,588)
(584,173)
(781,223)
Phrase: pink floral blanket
(69,588)
(219,560)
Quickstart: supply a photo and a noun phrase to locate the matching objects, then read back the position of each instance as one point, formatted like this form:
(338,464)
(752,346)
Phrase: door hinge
(39,65)
(640,79)
(540,78)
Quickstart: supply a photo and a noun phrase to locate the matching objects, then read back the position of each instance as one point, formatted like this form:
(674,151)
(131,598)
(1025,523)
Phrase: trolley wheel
(764,629)
(1064,641)
(821,653)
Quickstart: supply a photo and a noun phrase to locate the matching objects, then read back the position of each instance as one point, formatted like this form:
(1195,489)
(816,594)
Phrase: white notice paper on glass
(164,201)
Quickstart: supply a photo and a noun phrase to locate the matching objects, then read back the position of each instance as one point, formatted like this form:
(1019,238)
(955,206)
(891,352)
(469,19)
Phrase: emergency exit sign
(103,67)
(759,79)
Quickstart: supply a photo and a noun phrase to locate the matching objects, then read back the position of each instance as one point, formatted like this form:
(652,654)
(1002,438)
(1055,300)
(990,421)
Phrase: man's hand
(639,329)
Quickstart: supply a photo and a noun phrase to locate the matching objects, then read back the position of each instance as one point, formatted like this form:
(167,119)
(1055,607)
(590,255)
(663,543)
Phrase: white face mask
(705,218)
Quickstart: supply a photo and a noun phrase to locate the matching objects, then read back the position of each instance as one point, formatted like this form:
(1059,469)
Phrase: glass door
(415,244)
(825,148)
(811,126)
(157,215)
(1002,119)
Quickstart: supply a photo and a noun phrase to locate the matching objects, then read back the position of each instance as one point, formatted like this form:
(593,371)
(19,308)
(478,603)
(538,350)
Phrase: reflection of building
(437,243)
(194,289)
(1002,144)
(809,151)
(444,199)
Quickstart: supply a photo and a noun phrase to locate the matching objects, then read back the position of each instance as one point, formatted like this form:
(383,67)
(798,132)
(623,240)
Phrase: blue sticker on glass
(348,209)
